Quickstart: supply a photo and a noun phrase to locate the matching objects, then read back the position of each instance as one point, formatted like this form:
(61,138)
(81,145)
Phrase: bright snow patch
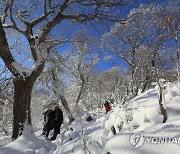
(140,115)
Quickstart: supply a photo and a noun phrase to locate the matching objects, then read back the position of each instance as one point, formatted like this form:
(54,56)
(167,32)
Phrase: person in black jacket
(58,119)
(48,121)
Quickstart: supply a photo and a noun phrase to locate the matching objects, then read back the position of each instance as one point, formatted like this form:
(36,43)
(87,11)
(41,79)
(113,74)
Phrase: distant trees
(145,44)
(83,57)
(110,84)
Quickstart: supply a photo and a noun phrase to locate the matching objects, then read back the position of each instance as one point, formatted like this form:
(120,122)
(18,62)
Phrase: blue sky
(99,31)
(125,11)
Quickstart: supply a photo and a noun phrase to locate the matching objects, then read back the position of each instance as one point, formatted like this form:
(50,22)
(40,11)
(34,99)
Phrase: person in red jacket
(107,107)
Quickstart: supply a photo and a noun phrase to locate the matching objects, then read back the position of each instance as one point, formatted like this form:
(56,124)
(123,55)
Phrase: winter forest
(81,54)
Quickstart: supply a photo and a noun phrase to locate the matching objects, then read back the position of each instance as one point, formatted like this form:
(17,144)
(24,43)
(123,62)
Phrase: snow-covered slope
(138,126)
(147,134)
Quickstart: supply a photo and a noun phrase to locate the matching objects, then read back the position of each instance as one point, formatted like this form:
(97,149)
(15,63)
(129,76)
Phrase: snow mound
(27,143)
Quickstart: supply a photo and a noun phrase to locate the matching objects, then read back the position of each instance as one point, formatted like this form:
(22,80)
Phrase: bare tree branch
(5,12)
(5,51)
(14,25)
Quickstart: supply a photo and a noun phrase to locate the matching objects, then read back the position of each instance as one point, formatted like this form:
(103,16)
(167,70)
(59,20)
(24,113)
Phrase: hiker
(58,119)
(48,121)
(107,107)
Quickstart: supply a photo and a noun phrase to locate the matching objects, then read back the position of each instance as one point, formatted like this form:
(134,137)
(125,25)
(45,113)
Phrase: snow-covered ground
(139,129)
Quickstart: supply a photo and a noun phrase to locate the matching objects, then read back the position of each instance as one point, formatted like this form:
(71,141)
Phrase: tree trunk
(68,111)
(78,97)
(146,84)
(21,106)
(177,48)
(23,85)
(161,106)
(55,83)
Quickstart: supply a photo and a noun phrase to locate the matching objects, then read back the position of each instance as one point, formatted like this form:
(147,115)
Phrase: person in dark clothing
(48,121)
(58,119)
(107,107)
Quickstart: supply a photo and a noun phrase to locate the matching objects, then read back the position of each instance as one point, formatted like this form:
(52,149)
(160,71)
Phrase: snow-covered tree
(83,57)
(143,42)
(34,21)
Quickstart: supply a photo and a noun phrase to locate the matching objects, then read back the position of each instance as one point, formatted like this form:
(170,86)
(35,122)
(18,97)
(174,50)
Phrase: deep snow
(141,117)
